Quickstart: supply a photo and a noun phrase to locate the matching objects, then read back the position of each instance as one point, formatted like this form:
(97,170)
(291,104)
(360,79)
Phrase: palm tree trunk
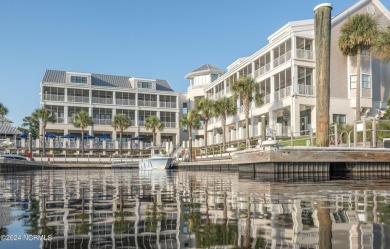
(190,143)
(154,138)
(120,141)
(82,142)
(223,124)
(358,62)
(246,109)
(43,138)
(205,135)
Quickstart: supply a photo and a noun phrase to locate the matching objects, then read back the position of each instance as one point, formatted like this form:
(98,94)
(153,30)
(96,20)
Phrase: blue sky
(141,38)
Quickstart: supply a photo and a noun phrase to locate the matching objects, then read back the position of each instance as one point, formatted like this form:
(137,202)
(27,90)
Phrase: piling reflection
(129,209)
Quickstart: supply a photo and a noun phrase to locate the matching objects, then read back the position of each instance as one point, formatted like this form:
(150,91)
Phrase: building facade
(285,72)
(104,96)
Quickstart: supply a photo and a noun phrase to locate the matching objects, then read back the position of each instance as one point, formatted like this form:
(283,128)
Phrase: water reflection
(129,209)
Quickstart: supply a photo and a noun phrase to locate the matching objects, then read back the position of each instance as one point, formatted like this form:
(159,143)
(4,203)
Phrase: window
(366,81)
(145,85)
(340,119)
(78,79)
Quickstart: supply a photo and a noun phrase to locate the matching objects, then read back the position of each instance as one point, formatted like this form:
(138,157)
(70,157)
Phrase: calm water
(129,209)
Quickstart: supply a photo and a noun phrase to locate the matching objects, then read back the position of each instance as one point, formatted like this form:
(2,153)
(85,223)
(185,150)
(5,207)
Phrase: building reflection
(126,209)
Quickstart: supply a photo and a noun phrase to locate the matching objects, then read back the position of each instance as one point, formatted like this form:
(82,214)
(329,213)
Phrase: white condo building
(284,70)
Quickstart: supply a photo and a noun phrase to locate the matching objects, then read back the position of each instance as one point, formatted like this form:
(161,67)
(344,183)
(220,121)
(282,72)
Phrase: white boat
(156,163)
(158,160)
(13,157)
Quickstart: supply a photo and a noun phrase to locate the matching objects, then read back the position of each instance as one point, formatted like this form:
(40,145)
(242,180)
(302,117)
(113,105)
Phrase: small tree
(44,116)
(191,121)
(382,45)
(204,107)
(153,123)
(222,108)
(358,34)
(82,120)
(245,89)
(30,124)
(121,122)
(3,110)
(386,115)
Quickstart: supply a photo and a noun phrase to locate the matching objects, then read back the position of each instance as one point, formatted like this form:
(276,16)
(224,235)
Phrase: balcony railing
(305,89)
(147,103)
(169,124)
(125,102)
(262,70)
(305,54)
(97,121)
(168,104)
(60,120)
(266,99)
(98,100)
(218,94)
(282,93)
(53,97)
(79,99)
(282,59)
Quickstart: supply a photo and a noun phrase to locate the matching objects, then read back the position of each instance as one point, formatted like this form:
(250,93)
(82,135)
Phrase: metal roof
(56,76)
(110,80)
(206,67)
(6,128)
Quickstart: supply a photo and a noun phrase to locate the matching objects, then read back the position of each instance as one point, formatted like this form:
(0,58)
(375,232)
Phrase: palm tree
(82,120)
(382,45)
(222,108)
(204,107)
(245,89)
(121,122)
(357,34)
(44,115)
(3,110)
(191,121)
(153,123)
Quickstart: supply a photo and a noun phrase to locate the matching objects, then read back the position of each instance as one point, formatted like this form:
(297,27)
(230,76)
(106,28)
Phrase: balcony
(218,94)
(168,104)
(53,97)
(282,59)
(262,70)
(97,121)
(305,54)
(266,99)
(169,124)
(125,102)
(305,89)
(98,100)
(282,93)
(150,103)
(60,120)
(78,99)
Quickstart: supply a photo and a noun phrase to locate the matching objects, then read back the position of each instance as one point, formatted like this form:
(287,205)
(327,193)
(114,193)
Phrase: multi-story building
(103,96)
(285,72)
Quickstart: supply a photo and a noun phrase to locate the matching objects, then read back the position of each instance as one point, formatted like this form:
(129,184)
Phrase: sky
(162,39)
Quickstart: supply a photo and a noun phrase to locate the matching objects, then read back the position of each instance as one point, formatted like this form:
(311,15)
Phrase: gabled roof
(6,128)
(206,67)
(5,120)
(56,76)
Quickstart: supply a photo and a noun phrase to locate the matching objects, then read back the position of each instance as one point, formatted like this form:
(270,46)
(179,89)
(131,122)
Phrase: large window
(366,81)
(143,115)
(168,119)
(340,119)
(305,80)
(78,79)
(145,85)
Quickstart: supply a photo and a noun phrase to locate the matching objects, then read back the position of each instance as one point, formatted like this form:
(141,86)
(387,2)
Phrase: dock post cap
(323,5)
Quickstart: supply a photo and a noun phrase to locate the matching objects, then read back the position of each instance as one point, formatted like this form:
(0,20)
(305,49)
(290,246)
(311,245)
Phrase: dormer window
(145,85)
(78,79)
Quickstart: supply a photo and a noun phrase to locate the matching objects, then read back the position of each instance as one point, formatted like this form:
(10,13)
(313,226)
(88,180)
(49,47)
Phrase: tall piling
(322,31)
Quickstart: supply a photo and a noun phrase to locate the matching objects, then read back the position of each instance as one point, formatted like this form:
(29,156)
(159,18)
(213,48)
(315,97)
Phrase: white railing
(218,95)
(227,89)
(168,104)
(60,120)
(305,54)
(147,103)
(282,93)
(267,99)
(98,100)
(80,99)
(125,102)
(305,89)
(282,59)
(169,124)
(97,121)
(262,70)
(53,97)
